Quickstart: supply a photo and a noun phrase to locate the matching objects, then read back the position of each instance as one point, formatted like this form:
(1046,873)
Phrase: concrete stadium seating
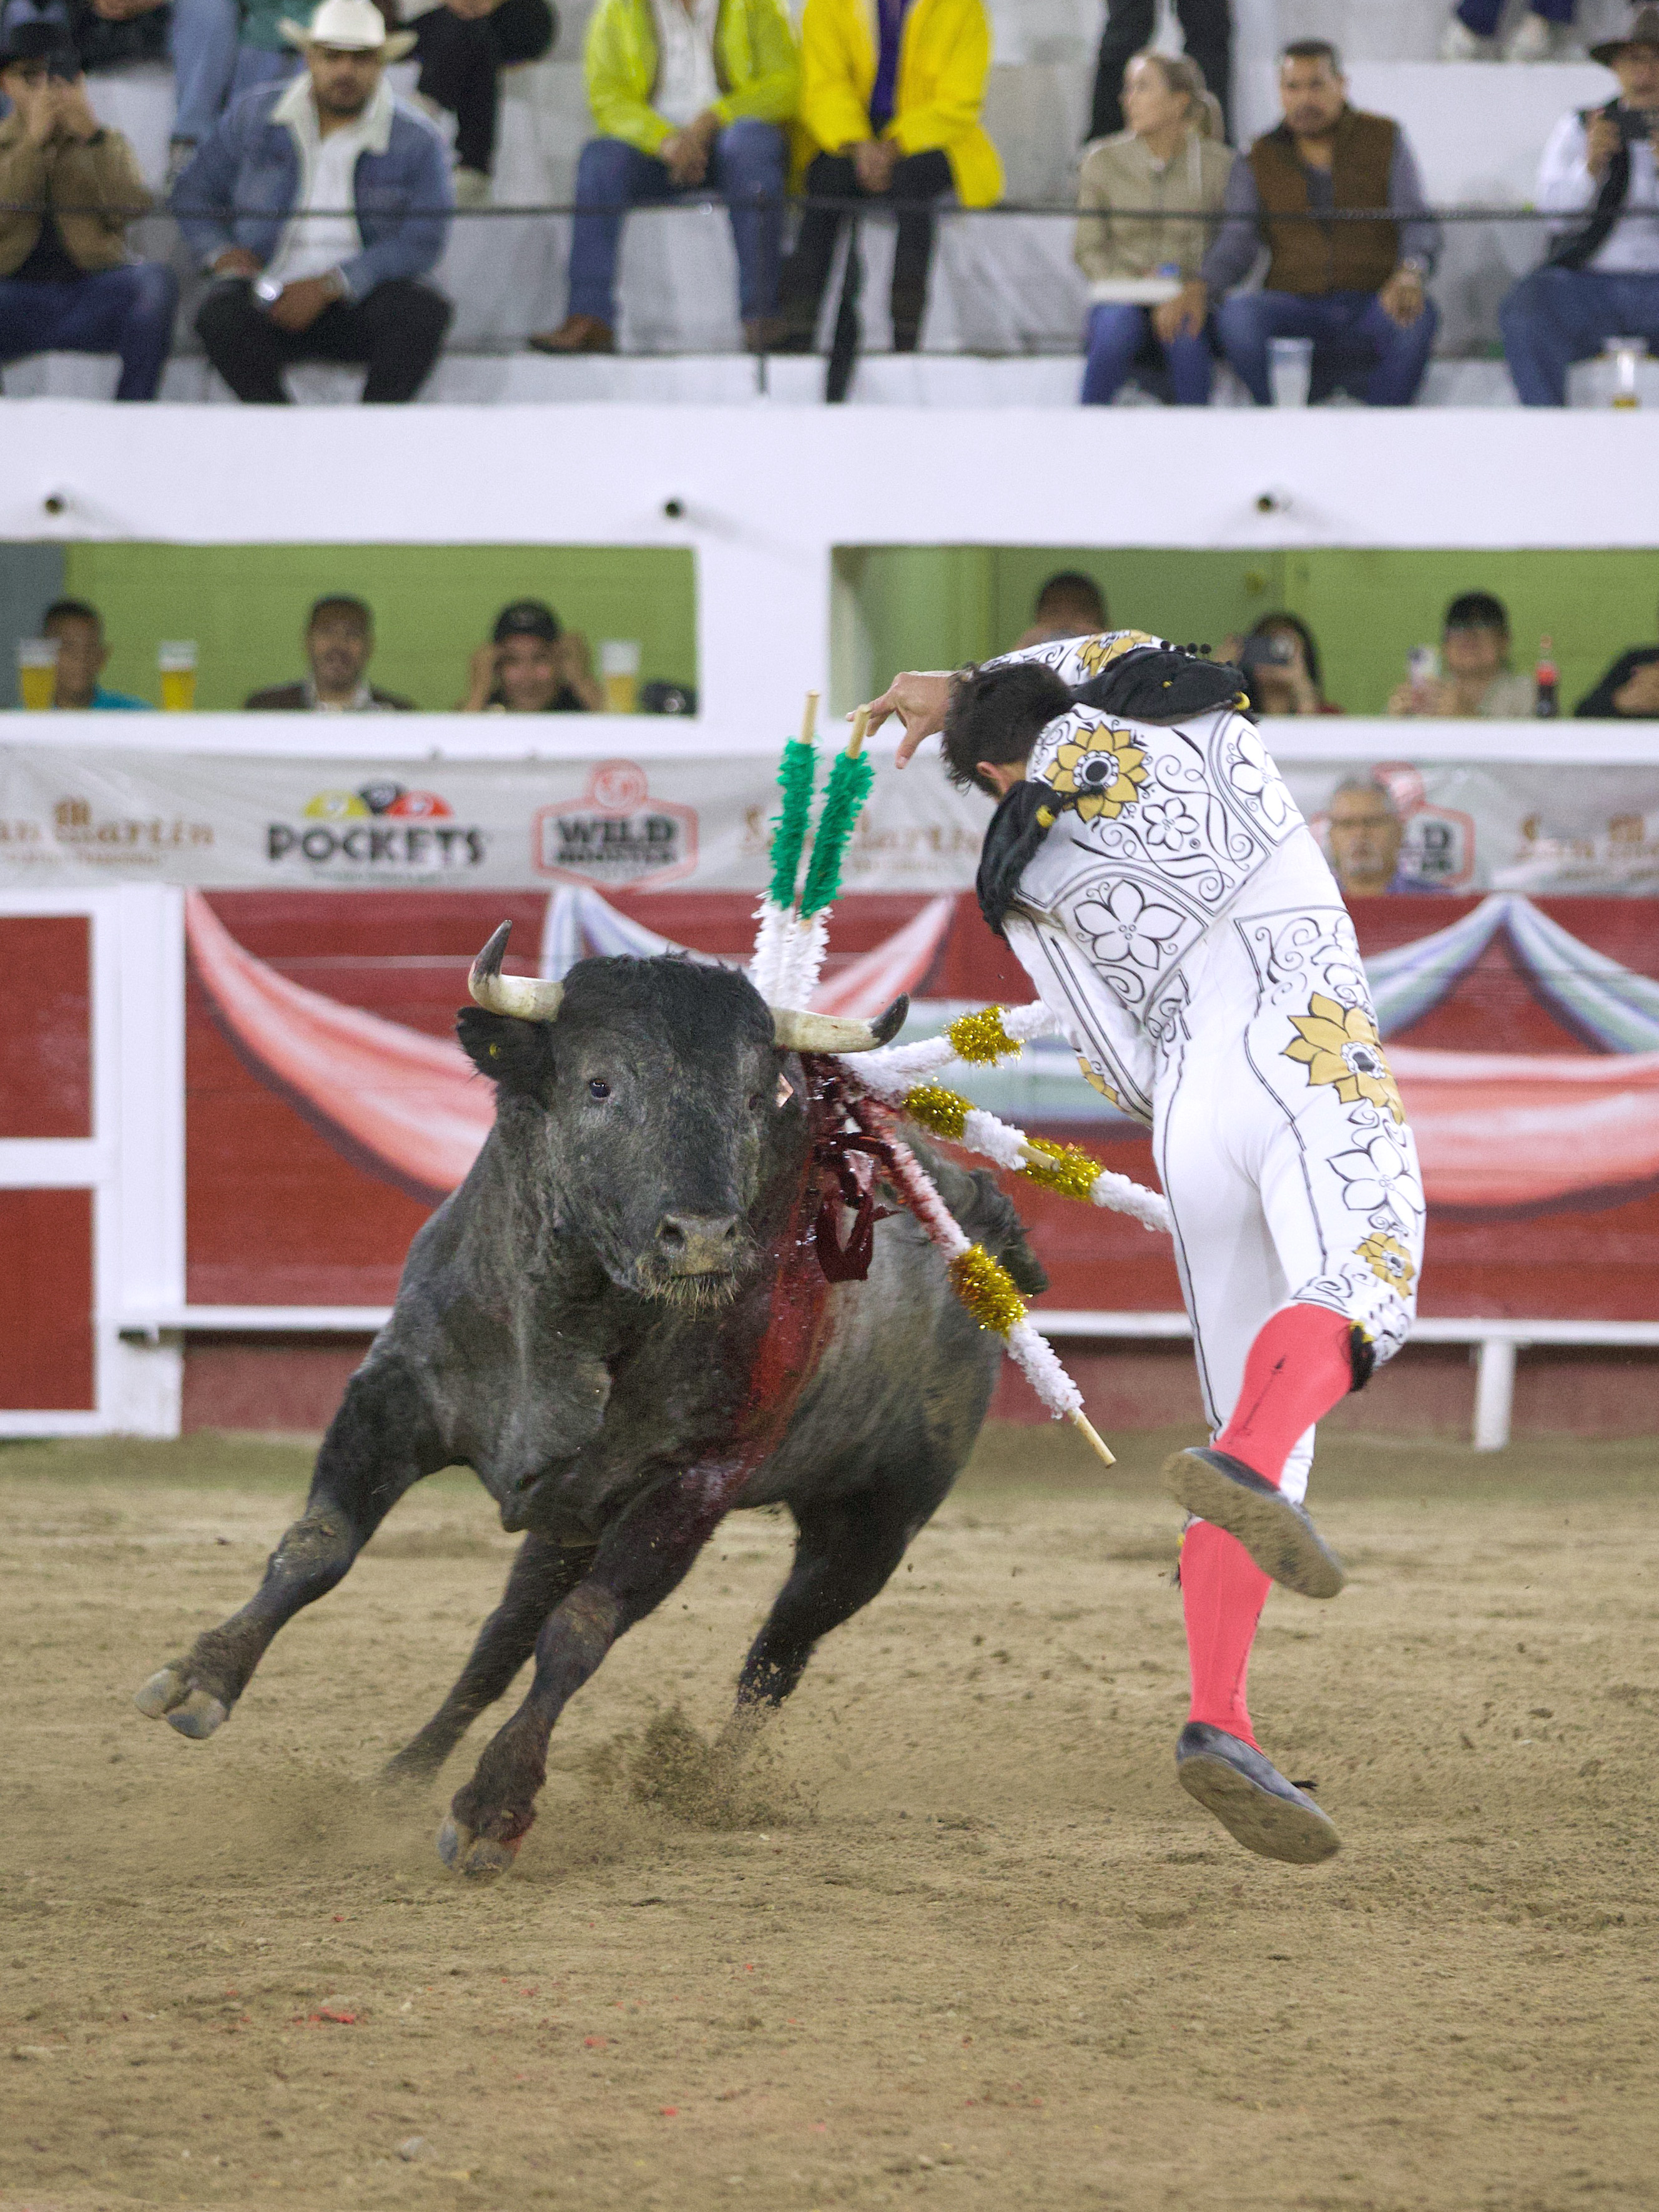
(1007,306)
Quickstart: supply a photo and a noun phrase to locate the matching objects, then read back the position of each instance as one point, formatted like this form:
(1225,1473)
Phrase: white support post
(1494,1392)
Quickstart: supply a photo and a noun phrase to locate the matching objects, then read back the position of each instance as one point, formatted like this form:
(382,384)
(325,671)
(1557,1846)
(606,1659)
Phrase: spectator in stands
(532,666)
(1206,32)
(1070,605)
(339,640)
(82,652)
(1365,833)
(108,35)
(1355,288)
(690,95)
(1148,308)
(1630,688)
(1280,662)
(1474,647)
(68,189)
(1602,278)
(889,106)
(1543,33)
(463,46)
(221,50)
(291,285)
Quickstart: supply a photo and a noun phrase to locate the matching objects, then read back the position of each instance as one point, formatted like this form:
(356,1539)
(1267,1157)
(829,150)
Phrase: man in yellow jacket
(688,95)
(891,96)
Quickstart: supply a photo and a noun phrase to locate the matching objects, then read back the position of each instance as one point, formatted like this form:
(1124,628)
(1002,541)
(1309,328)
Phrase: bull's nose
(699,1243)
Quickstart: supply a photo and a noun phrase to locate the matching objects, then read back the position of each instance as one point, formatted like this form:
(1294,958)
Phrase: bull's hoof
(194,1711)
(480,1858)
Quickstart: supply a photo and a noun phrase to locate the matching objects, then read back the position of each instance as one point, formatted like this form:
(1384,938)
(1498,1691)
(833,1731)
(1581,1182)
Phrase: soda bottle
(1547,699)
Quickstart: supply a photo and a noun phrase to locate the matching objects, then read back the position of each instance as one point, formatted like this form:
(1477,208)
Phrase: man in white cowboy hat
(317,206)
(1600,279)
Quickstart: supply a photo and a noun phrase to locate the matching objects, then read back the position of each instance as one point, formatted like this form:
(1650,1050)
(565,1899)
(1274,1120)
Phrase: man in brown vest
(1355,288)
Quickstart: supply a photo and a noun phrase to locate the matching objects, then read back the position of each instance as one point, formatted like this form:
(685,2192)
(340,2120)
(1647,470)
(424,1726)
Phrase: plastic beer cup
(177,663)
(37,673)
(619,666)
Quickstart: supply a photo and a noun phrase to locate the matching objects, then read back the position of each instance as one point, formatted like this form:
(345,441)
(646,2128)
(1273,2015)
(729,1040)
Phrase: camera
(1273,651)
(1636,124)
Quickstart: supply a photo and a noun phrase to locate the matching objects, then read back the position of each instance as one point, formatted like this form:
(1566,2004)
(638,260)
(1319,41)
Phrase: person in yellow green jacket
(891,96)
(690,95)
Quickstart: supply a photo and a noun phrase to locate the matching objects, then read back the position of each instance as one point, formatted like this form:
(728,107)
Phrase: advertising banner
(329,1107)
(71,816)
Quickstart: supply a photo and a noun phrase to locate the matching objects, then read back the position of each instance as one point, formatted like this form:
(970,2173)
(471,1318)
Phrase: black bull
(620,1322)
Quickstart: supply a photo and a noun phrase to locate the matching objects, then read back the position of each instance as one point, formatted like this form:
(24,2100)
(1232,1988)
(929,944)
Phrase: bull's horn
(526,997)
(800,1032)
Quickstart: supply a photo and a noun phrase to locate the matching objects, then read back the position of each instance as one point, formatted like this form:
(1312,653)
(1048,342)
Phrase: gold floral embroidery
(1389,1261)
(1338,1045)
(1108,772)
(1096,653)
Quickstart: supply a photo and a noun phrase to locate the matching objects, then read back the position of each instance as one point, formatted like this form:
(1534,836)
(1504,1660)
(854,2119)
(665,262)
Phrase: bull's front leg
(380,1443)
(643,1556)
(543,1572)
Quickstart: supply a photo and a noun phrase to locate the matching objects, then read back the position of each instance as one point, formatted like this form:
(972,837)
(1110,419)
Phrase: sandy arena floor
(966,1944)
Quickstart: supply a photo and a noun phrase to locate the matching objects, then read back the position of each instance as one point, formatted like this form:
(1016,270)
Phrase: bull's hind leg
(379,1442)
(845,1553)
(542,1573)
(640,1560)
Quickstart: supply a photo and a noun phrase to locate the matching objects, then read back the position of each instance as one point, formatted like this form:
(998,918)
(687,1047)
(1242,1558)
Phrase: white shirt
(312,244)
(1565,186)
(686,86)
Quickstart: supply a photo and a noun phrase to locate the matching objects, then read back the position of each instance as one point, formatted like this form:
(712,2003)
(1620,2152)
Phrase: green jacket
(756,61)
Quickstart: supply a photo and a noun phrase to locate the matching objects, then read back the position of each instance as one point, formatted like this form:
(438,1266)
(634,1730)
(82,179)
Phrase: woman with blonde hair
(1170,167)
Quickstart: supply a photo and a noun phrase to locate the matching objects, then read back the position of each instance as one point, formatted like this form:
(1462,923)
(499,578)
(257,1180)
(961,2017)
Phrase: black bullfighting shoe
(1251,1798)
(1273,1529)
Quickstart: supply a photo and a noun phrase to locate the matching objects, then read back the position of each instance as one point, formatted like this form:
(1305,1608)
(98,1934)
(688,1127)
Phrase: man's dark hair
(1312,50)
(341,602)
(1283,620)
(997,714)
(1478,611)
(72,611)
(1072,585)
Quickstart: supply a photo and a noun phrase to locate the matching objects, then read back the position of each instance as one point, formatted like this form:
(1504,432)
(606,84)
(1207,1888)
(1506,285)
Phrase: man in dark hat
(531,666)
(1600,279)
(68,189)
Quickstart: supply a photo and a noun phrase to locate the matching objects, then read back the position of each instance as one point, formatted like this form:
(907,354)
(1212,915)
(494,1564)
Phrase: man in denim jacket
(316,206)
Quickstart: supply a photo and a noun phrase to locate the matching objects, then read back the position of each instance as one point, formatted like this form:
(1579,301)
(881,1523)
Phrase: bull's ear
(505,1050)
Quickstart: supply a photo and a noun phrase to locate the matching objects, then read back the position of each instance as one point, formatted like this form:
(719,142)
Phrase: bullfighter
(1149,867)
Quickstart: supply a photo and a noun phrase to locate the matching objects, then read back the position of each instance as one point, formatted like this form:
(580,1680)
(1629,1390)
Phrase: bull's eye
(596,1089)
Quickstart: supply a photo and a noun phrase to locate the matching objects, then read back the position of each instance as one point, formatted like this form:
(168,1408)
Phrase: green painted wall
(936,606)
(245,607)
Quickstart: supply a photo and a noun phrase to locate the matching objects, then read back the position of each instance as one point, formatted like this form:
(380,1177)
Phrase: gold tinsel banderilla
(1066,1169)
(987,1289)
(944,1112)
(980,1036)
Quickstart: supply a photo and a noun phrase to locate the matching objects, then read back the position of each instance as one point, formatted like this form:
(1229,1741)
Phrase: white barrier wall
(762,498)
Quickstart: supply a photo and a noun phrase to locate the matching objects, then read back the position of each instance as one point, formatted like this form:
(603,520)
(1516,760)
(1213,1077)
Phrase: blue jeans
(746,165)
(1481,16)
(127,310)
(1351,333)
(1119,332)
(211,67)
(1558,316)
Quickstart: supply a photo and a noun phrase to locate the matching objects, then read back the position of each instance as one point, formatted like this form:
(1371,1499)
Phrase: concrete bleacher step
(950,380)
(1004,285)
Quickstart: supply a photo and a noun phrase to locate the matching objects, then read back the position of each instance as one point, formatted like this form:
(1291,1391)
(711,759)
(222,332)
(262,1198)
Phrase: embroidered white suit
(1182,923)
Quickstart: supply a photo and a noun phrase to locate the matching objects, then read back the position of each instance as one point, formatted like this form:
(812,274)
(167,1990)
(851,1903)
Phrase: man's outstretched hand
(919,699)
